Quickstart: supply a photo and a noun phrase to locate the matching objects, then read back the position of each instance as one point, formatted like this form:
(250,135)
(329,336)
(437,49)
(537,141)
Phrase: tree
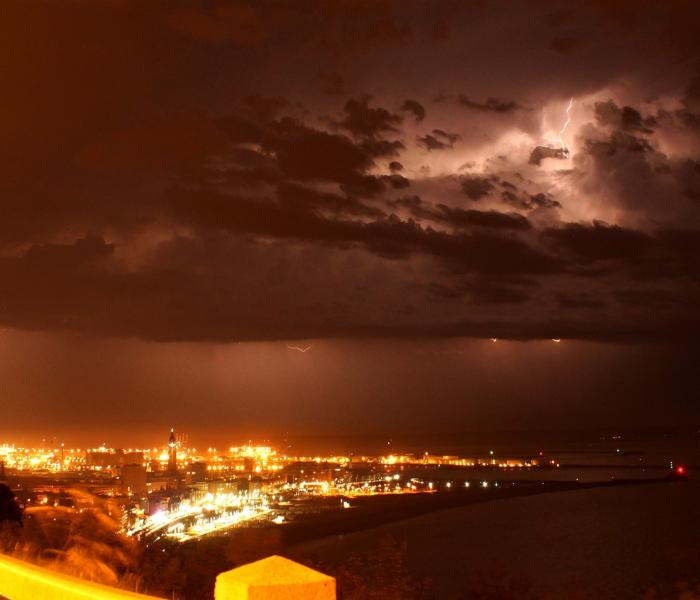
(9,509)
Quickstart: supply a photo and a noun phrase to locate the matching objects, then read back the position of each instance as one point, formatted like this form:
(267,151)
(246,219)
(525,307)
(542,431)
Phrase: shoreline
(373,512)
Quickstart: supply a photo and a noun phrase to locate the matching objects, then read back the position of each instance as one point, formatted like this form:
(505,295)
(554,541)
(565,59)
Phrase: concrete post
(274,578)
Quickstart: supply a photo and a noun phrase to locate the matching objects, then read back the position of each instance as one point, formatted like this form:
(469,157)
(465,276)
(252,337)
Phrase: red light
(680,470)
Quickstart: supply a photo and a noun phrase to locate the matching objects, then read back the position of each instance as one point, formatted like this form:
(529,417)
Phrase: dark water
(600,543)
(648,447)
(622,542)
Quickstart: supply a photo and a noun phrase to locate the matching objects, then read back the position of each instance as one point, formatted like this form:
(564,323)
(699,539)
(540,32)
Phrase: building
(105,459)
(134,479)
(196,472)
(172,452)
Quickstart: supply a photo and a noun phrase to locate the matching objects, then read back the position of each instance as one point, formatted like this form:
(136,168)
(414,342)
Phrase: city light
(176,492)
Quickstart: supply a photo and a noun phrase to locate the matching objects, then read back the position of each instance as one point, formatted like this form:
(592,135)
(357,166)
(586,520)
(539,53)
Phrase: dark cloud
(481,291)
(490,105)
(619,141)
(598,241)
(691,97)
(362,120)
(300,199)
(180,176)
(476,187)
(542,152)
(382,148)
(306,153)
(526,201)
(627,118)
(415,108)
(55,285)
(396,181)
(459,218)
(415,207)
(439,140)
(629,165)
(139,172)
(365,185)
(483,218)
(430,142)
(390,237)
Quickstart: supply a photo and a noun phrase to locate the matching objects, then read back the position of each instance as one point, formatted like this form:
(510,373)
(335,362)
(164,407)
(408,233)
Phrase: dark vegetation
(10,512)
(84,543)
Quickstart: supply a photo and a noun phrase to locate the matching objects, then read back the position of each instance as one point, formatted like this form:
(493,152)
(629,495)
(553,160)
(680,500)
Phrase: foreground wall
(21,580)
(273,578)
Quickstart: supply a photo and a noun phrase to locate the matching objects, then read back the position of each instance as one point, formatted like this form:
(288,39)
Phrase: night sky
(187,189)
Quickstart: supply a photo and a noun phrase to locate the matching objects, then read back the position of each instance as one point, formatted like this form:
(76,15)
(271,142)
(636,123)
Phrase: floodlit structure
(274,578)
(172,452)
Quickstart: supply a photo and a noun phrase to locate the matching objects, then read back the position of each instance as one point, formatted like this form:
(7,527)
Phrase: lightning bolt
(566,124)
(299,349)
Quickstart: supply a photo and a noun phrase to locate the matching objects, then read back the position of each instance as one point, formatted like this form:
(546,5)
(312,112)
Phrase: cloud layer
(250,172)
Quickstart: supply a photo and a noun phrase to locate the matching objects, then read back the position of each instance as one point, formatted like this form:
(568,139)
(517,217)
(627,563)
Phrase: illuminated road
(211,513)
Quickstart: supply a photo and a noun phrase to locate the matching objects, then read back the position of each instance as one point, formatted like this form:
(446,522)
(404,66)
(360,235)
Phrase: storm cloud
(144,179)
